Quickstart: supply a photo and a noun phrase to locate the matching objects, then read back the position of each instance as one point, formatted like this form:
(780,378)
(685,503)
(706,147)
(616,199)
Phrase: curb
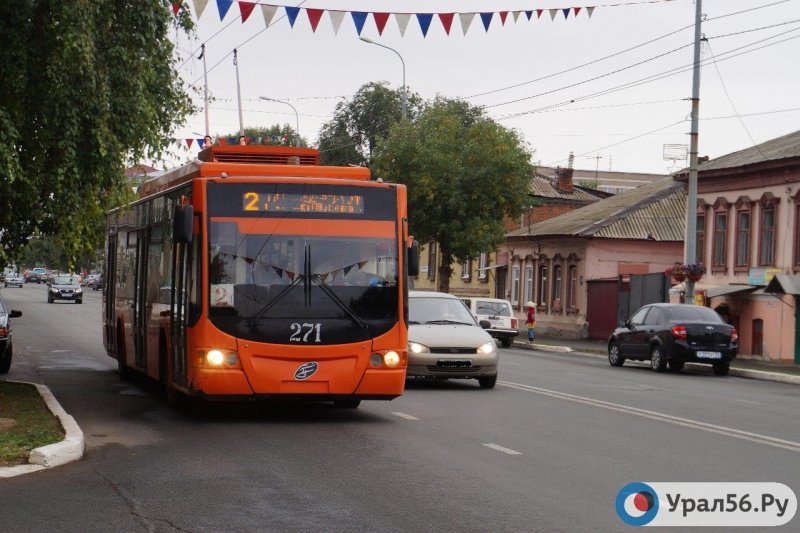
(56,454)
(746,373)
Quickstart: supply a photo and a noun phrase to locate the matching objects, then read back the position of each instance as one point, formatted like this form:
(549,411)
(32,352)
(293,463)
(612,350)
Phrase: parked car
(673,334)
(6,348)
(37,275)
(95,281)
(65,287)
(13,279)
(445,341)
(499,313)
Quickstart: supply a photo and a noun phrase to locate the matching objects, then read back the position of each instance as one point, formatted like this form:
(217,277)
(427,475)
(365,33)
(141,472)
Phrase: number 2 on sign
(301,332)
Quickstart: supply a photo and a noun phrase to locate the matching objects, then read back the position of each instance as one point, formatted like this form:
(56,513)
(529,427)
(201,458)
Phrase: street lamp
(296,117)
(404,99)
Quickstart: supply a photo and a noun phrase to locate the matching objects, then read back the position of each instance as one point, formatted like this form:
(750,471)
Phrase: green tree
(87,87)
(274,135)
(358,125)
(464,172)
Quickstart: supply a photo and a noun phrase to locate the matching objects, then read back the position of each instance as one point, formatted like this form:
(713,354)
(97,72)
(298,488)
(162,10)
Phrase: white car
(14,279)
(499,313)
(445,340)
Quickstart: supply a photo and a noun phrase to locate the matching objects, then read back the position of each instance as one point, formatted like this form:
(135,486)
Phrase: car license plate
(709,355)
(497,323)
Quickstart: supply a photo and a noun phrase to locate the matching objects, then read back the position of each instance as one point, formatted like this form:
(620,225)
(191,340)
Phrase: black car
(65,287)
(672,334)
(6,348)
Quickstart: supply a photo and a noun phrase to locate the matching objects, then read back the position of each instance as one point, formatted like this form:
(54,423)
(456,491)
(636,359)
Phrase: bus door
(109,284)
(178,301)
(140,300)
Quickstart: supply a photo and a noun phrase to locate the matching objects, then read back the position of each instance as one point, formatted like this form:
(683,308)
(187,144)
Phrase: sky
(613,88)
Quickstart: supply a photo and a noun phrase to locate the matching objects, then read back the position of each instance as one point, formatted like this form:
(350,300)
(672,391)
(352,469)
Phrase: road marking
(403,415)
(513,364)
(60,351)
(660,417)
(503,449)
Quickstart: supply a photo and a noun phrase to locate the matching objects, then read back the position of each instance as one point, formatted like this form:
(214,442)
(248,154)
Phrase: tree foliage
(358,125)
(464,172)
(87,88)
(274,135)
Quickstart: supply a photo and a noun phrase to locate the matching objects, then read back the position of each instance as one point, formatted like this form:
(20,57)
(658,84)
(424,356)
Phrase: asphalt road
(547,450)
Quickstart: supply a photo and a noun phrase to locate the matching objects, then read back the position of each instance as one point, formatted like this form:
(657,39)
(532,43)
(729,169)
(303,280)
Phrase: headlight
(217,358)
(392,359)
(415,347)
(78,291)
(486,349)
(54,290)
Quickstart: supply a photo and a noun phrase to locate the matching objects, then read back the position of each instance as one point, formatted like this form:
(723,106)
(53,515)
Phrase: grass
(34,424)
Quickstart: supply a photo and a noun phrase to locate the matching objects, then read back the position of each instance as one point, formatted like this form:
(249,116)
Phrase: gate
(642,289)
(601,305)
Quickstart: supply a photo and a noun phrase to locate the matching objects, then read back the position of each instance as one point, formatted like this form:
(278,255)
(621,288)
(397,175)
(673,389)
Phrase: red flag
(577,10)
(447,21)
(313,17)
(176,6)
(380,21)
(503,15)
(189,142)
(246,8)
(539,13)
(222,141)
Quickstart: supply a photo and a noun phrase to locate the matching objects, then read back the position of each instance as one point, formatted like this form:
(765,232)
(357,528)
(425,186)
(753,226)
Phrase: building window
(720,249)
(700,251)
(432,260)
(572,287)
(515,284)
(528,288)
(797,232)
(466,269)
(483,262)
(542,285)
(557,286)
(766,241)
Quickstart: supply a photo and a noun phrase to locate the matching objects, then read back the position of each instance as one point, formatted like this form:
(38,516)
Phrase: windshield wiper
(270,304)
(447,322)
(316,278)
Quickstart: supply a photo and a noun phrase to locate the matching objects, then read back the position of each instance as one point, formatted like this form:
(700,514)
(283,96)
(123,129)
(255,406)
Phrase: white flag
(336,20)
(269,12)
(466,20)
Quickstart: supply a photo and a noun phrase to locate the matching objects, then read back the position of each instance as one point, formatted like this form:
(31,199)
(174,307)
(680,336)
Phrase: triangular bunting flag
(189,143)
(589,11)
(232,140)
(539,13)
(516,15)
(223,6)
(553,13)
(566,12)
(361,264)
(176,6)
(466,20)
(291,14)
(269,13)
(313,17)
(380,21)
(577,10)
(336,20)
(201,143)
(529,14)
(503,16)
(402,22)
(347,270)
(447,21)
(359,18)
(278,271)
(290,275)
(246,8)
(424,20)
(487,19)
(199,7)
(222,141)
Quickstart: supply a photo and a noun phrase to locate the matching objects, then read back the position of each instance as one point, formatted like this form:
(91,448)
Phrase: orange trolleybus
(256,272)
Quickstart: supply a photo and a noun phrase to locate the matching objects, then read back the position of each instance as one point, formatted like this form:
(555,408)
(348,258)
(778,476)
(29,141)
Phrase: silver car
(14,279)
(445,341)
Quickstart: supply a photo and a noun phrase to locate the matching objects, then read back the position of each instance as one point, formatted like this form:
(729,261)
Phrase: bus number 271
(300,332)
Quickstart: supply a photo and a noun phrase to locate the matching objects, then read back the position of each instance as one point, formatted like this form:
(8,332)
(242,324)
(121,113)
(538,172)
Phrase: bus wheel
(347,404)
(125,373)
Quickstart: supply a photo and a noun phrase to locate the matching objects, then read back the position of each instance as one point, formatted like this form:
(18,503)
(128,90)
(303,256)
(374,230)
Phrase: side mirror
(183,224)
(15,313)
(413,259)
(621,324)
(485,324)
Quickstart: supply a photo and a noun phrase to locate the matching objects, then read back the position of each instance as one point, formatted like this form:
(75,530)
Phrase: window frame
(466,269)
(700,232)
(720,238)
(542,284)
(572,285)
(743,206)
(515,272)
(528,284)
(796,240)
(767,203)
(483,263)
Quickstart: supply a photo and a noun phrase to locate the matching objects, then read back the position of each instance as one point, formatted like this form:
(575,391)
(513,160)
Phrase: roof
(602,176)
(545,187)
(655,211)
(786,147)
(784,284)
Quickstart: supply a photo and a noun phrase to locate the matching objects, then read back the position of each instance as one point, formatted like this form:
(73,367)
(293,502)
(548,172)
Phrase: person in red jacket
(530,321)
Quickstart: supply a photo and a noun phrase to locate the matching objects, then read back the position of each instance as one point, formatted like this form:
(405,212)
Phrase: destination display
(302,203)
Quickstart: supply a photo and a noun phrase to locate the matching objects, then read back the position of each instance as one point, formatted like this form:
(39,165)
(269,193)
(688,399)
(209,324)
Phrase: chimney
(702,159)
(564,176)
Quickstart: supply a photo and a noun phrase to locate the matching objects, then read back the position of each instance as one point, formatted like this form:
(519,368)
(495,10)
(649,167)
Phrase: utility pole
(690,254)
(238,92)
(205,84)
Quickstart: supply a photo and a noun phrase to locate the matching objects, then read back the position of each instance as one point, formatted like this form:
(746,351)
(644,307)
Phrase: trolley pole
(690,254)
(205,85)
(238,92)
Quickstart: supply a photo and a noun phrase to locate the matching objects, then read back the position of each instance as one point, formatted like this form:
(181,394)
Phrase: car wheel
(721,368)
(49,300)
(5,363)
(615,355)
(78,301)
(347,404)
(506,343)
(487,382)
(657,360)
(676,366)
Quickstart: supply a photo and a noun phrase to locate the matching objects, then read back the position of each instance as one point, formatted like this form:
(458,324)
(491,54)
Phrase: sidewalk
(742,366)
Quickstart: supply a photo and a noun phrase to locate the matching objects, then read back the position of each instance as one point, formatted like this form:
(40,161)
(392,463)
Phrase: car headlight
(486,349)
(54,290)
(78,291)
(415,347)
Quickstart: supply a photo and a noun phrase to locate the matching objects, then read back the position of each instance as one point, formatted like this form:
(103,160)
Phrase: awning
(784,284)
(493,267)
(725,290)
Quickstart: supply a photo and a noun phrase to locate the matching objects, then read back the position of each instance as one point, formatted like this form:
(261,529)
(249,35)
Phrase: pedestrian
(530,321)
(242,140)
(207,142)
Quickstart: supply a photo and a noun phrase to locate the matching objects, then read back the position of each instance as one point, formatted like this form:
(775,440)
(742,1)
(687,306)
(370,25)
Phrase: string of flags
(381,18)
(222,141)
(326,277)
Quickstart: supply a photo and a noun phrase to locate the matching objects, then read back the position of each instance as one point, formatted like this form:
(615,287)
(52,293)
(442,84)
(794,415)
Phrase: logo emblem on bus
(305,370)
